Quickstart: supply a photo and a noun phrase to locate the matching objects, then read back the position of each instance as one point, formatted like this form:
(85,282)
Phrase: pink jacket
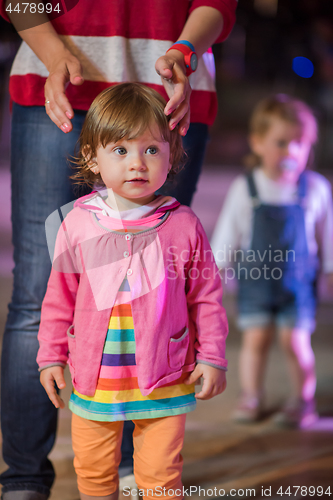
(176,289)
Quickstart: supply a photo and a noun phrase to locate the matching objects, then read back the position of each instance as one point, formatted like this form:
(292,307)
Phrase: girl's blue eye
(152,150)
(120,151)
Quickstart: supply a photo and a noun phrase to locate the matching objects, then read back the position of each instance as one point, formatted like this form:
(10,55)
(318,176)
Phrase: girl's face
(134,169)
(283,150)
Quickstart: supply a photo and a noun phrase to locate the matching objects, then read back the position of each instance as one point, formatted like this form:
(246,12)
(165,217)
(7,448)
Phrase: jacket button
(129,272)
(126,254)
(128,237)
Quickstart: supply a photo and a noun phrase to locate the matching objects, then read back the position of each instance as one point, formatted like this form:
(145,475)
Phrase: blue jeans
(40,185)
(184,185)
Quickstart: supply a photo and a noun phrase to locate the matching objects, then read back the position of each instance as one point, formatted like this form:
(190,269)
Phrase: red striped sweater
(117,41)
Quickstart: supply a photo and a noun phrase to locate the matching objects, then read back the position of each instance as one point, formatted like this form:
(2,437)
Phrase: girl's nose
(137,163)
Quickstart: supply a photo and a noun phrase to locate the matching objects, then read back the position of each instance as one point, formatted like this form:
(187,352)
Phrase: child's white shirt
(139,212)
(233,229)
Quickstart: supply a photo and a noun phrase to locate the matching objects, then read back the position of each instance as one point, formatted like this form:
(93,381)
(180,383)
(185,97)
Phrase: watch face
(194,62)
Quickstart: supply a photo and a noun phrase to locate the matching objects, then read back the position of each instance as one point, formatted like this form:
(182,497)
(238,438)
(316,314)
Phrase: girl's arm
(204,302)
(58,304)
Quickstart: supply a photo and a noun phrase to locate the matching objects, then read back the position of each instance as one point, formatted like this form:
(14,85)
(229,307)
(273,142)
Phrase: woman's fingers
(57,105)
(171,68)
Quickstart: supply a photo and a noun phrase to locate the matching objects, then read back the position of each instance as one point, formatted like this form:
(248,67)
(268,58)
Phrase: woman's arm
(202,28)
(62,66)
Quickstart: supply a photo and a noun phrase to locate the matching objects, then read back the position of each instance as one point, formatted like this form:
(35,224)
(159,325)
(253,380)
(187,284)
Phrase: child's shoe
(297,414)
(248,409)
(128,489)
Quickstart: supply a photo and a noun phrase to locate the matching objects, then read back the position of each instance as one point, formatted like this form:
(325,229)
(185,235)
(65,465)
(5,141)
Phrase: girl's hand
(49,376)
(64,69)
(171,69)
(214,380)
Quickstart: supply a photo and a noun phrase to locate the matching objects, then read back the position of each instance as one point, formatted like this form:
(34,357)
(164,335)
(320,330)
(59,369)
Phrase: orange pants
(157,459)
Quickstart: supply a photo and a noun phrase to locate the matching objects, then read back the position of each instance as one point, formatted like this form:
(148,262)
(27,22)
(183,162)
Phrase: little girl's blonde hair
(123,111)
(286,108)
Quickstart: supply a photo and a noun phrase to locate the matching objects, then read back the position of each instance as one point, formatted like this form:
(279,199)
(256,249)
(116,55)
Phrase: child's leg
(157,459)
(296,344)
(96,447)
(253,358)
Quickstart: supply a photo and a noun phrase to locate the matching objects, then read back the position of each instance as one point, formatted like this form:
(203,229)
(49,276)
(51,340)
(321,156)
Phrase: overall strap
(302,187)
(252,189)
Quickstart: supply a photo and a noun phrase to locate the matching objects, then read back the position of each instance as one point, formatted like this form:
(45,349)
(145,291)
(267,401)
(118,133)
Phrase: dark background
(256,60)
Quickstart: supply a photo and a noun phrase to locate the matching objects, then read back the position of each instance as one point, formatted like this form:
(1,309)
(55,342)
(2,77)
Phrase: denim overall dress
(277,280)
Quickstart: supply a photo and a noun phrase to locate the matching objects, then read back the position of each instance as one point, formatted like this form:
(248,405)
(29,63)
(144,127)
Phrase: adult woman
(64,65)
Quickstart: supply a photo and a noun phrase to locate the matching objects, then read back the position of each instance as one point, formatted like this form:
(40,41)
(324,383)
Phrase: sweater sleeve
(324,227)
(204,301)
(58,305)
(232,224)
(3,12)
(227,9)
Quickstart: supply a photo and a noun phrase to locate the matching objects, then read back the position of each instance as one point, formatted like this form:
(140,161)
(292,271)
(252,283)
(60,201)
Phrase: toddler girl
(276,229)
(133,302)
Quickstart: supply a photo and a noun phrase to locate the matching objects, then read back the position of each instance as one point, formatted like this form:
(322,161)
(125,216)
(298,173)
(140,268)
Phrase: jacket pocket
(70,332)
(177,349)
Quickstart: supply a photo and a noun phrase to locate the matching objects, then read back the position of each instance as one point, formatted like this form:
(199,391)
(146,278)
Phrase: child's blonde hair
(286,108)
(123,111)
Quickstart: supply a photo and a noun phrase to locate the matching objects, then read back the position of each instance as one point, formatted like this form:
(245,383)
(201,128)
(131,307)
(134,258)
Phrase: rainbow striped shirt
(117,395)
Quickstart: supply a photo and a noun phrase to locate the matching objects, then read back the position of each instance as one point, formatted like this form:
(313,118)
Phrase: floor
(222,458)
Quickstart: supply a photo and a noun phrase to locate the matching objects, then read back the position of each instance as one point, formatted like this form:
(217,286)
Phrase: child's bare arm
(214,380)
(49,376)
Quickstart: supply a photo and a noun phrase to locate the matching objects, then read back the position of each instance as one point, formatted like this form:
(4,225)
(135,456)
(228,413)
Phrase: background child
(131,300)
(276,228)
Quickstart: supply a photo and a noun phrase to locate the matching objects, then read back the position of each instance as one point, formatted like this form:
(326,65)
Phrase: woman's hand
(62,65)
(65,68)
(214,380)
(49,376)
(202,28)
(171,69)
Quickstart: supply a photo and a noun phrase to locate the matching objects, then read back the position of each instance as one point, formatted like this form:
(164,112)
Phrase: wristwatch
(190,57)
